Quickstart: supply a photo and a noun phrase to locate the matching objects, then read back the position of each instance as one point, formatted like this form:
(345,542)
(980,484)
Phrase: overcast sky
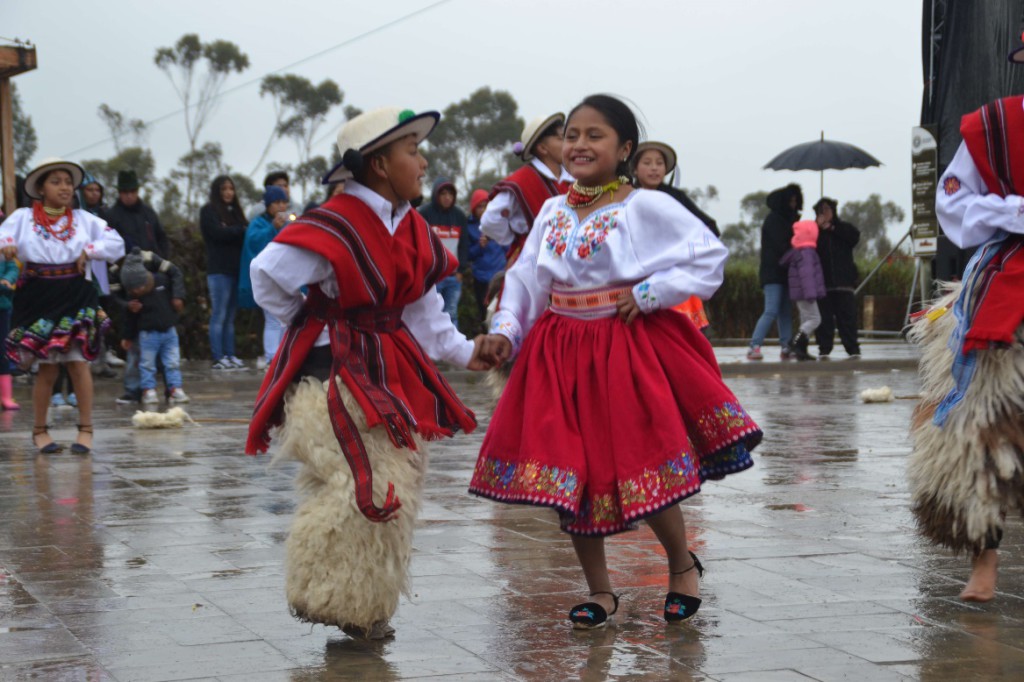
(729,84)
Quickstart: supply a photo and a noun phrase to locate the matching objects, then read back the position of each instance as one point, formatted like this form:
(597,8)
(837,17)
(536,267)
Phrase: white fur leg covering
(965,476)
(342,568)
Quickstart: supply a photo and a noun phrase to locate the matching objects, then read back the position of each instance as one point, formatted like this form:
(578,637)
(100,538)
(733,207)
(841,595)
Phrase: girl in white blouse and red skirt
(615,410)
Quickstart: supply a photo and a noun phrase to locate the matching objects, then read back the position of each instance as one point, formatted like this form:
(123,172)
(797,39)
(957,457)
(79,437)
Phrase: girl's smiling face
(592,150)
(57,189)
(650,169)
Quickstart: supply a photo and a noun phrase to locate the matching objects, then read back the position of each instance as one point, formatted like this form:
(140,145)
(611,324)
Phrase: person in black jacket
(136,222)
(836,240)
(776,232)
(223,224)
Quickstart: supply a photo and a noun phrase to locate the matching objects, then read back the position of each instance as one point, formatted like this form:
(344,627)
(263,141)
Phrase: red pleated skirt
(609,423)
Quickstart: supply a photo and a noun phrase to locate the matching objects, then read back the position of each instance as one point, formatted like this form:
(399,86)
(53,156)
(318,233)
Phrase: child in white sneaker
(156,291)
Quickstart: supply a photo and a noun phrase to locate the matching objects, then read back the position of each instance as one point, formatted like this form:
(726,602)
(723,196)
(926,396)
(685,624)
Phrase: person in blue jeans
(223,225)
(776,233)
(448,221)
(156,290)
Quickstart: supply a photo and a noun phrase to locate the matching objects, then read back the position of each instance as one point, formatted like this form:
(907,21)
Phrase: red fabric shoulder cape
(994,135)
(387,371)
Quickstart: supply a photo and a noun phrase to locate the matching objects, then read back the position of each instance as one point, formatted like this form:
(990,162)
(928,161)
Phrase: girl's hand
(627,307)
(496,350)
(83,262)
(9,252)
(6,284)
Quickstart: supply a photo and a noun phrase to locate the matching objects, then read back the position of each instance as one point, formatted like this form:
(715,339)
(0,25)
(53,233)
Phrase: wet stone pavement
(160,557)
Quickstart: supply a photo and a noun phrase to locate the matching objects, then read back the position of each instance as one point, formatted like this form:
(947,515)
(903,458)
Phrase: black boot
(798,346)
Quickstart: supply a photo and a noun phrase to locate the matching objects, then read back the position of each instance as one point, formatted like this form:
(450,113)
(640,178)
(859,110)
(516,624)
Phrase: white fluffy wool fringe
(173,418)
(877,395)
(343,569)
(966,475)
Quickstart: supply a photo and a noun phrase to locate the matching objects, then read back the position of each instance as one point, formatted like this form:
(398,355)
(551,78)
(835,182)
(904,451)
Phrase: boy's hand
(134,305)
(178,304)
(126,344)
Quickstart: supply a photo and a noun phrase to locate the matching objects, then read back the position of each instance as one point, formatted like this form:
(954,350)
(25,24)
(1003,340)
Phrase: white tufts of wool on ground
(877,395)
(173,418)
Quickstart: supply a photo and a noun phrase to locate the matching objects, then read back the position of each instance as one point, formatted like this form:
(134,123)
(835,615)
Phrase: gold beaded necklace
(582,196)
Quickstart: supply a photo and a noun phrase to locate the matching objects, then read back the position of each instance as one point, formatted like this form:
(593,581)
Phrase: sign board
(924,163)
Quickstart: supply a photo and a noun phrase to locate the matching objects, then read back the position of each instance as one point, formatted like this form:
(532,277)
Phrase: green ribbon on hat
(406,115)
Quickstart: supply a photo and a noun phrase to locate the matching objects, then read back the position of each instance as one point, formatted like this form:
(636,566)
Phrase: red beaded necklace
(48,223)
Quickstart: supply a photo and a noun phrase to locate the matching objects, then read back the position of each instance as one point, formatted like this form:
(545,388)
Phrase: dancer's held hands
(477,363)
(495,349)
(627,307)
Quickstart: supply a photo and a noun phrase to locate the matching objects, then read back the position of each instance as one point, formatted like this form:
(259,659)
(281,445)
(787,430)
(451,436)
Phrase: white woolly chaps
(967,475)
(343,569)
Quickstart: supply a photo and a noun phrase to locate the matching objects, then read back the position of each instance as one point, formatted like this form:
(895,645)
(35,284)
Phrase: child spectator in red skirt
(638,417)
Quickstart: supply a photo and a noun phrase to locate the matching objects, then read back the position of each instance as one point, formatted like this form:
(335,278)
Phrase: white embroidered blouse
(969,214)
(648,241)
(36,245)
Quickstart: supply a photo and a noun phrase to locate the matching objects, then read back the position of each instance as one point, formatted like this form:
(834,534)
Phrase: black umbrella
(822,155)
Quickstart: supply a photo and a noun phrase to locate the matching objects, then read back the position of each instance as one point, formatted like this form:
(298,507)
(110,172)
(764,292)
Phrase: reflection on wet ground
(160,558)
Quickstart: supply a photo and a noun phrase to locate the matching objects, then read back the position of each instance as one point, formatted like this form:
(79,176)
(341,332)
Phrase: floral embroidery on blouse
(595,231)
(558,229)
(47,235)
(647,296)
(508,330)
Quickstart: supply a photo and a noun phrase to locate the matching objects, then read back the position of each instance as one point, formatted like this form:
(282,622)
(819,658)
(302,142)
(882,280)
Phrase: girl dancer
(638,416)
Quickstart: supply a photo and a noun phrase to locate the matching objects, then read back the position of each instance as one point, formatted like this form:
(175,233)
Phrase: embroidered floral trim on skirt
(609,423)
(55,315)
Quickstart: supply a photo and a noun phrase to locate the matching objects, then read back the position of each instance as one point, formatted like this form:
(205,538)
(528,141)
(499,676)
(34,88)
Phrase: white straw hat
(533,130)
(372,130)
(666,151)
(47,165)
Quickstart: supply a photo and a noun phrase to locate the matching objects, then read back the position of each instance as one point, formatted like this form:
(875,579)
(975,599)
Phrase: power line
(236,88)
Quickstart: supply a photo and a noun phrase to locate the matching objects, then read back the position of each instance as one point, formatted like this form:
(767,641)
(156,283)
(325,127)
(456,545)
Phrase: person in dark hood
(839,308)
(776,233)
(448,221)
(90,198)
(134,220)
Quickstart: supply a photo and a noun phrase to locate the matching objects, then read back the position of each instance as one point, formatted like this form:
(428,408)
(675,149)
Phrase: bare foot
(981,586)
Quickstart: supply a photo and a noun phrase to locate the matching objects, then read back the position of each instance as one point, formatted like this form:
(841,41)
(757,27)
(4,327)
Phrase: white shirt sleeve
(104,242)
(278,274)
(432,328)
(523,299)
(280,271)
(968,213)
(684,258)
(503,219)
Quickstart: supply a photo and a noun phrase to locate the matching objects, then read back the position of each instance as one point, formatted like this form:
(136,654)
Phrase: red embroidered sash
(392,379)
